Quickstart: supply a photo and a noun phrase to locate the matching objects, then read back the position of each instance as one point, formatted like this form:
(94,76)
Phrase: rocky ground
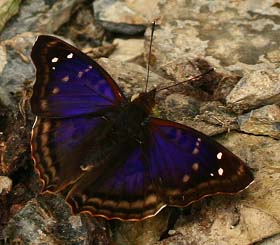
(238,105)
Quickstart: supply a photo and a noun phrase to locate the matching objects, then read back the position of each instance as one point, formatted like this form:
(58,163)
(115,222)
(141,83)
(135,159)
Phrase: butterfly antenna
(191,79)
(149,56)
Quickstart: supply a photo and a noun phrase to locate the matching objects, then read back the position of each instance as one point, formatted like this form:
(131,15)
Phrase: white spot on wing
(65,79)
(195,151)
(186,178)
(53,68)
(80,74)
(70,56)
(219,155)
(55,59)
(212,174)
(220,171)
(195,166)
(88,68)
(55,90)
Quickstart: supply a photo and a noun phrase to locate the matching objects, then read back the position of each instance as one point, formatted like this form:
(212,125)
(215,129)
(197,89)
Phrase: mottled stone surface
(143,232)
(255,89)
(262,121)
(128,50)
(39,16)
(132,12)
(16,68)
(47,220)
(8,8)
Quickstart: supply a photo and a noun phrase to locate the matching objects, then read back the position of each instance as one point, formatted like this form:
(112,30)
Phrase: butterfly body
(115,158)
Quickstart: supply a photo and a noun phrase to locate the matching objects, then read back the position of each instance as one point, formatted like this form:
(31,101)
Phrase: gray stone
(143,232)
(262,121)
(47,220)
(275,240)
(16,69)
(132,12)
(216,31)
(216,116)
(255,89)
(39,16)
(128,49)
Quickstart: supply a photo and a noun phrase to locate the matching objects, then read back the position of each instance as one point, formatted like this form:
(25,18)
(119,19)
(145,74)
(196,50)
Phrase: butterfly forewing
(69,83)
(70,88)
(187,165)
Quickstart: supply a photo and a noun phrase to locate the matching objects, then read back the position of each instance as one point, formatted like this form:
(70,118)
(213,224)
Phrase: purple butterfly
(112,157)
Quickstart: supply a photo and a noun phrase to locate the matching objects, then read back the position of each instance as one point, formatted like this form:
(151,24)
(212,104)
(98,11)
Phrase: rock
(131,12)
(5,185)
(39,16)
(262,154)
(174,43)
(143,232)
(224,224)
(8,8)
(122,28)
(47,220)
(185,105)
(214,113)
(102,51)
(198,29)
(15,57)
(274,240)
(255,89)
(262,121)
(82,27)
(131,77)
(128,50)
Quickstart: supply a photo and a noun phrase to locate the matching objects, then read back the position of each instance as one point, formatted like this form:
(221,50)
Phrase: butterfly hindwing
(187,165)
(122,188)
(59,147)
(69,83)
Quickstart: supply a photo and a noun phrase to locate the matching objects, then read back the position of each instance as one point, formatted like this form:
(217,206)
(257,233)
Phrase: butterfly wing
(69,83)
(69,98)
(187,165)
(59,148)
(121,188)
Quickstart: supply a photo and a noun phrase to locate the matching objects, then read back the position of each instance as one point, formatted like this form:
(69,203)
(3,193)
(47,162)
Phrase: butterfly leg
(174,215)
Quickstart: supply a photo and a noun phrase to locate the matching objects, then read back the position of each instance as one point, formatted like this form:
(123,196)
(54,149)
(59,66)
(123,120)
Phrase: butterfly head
(146,99)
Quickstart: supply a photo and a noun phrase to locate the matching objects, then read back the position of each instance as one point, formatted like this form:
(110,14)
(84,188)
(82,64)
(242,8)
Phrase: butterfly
(107,152)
